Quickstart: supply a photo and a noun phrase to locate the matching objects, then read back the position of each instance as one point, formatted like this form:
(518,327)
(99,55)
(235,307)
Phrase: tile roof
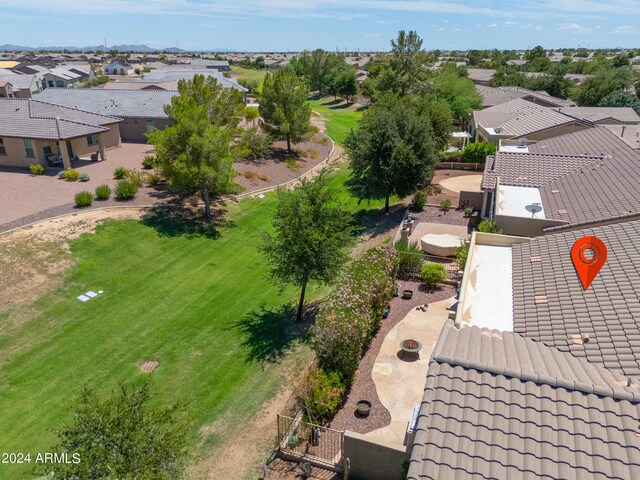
(121,103)
(173,74)
(19,81)
(500,406)
(594,114)
(26,118)
(608,312)
(591,141)
(630,134)
(531,169)
(499,95)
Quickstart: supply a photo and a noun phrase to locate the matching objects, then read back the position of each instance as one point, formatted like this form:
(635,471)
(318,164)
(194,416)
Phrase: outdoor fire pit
(363,407)
(407,294)
(409,345)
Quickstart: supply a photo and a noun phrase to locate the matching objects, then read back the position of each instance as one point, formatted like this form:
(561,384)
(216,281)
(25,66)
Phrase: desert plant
(433,274)
(325,391)
(136,177)
(445,205)
(103,192)
(83,199)
(477,152)
(468,211)
(149,162)
(36,169)
(410,260)
(84,177)
(432,190)
(153,178)
(71,175)
(462,252)
(418,202)
(120,173)
(126,190)
(255,143)
(487,226)
(61,174)
(292,164)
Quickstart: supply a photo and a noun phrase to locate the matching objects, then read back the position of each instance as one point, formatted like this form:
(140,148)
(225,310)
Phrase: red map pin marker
(588,254)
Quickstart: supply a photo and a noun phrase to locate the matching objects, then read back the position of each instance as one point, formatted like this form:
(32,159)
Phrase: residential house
(497,95)
(603,115)
(220,65)
(31,130)
(6,90)
(118,68)
(630,134)
(23,86)
(187,72)
(481,76)
(141,111)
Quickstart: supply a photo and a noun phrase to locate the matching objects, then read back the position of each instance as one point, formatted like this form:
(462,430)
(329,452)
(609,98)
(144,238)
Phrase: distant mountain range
(123,48)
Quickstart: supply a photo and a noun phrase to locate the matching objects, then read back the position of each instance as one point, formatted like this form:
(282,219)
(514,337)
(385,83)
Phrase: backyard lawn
(249,74)
(340,117)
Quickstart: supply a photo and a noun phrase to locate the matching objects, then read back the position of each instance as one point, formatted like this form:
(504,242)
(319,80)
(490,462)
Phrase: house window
(92,140)
(46,147)
(51,84)
(150,127)
(59,84)
(3,150)
(28,146)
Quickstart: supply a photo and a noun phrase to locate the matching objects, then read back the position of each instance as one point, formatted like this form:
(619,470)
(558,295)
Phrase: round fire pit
(409,345)
(407,294)
(363,407)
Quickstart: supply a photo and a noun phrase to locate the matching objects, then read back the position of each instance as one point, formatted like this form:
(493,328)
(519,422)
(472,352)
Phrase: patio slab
(400,381)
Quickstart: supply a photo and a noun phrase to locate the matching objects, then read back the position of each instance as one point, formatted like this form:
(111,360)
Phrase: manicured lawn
(249,74)
(340,119)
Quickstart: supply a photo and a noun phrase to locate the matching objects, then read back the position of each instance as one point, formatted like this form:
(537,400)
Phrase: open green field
(249,74)
(340,118)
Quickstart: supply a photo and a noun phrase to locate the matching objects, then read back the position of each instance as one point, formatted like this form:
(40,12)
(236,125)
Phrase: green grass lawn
(249,74)
(339,119)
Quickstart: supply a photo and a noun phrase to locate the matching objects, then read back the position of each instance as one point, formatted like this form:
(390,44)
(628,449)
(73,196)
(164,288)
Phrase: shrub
(71,175)
(410,260)
(468,211)
(418,202)
(292,164)
(126,190)
(120,173)
(445,205)
(36,169)
(61,174)
(136,177)
(487,226)
(351,314)
(251,174)
(103,192)
(153,178)
(255,143)
(325,391)
(462,252)
(477,152)
(84,177)
(83,199)
(433,274)
(150,162)
(432,190)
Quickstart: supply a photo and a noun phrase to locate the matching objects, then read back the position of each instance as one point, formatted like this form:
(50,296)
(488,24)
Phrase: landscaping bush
(468,211)
(136,177)
(150,162)
(103,192)
(477,152)
(433,274)
(71,175)
(410,260)
(120,173)
(445,205)
(255,143)
(418,202)
(61,175)
(487,226)
(126,190)
(153,178)
(352,313)
(432,190)
(83,199)
(325,391)
(462,252)
(36,169)
(84,177)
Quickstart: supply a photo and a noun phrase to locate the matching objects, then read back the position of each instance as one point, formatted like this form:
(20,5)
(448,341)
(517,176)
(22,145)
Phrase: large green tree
(284,107)
(195,151)
(393,151)
(620,98)
(317,66)
(605,81)
(122,437)
(311,231)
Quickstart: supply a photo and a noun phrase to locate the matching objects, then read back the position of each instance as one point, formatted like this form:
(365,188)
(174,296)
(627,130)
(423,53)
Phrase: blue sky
(263,25)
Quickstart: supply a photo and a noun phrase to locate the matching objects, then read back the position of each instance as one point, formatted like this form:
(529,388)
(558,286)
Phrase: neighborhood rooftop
(497,405)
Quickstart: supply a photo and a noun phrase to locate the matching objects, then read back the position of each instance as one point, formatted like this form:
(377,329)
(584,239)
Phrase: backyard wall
(373,460)
(474,199)
(133,129)
(525,227)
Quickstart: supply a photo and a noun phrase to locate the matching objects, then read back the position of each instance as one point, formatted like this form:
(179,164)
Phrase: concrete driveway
(22,194)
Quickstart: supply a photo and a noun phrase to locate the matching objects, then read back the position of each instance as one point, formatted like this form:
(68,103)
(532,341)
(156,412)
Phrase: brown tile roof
(530,169)
(608,312)
(630,134)
(496,96)
(500,406)
(595,114)
(592,141)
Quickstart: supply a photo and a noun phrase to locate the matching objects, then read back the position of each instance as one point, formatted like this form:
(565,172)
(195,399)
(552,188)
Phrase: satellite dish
(498,130)
(522,142)
(533,208)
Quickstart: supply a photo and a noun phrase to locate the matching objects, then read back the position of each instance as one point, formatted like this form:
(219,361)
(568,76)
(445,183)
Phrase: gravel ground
(453,196)
(363,386)
(435,215)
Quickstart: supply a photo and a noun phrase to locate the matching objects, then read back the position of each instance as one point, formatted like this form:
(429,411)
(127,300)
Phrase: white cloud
(510,24)
(574,27)
(492,25)
(624,30)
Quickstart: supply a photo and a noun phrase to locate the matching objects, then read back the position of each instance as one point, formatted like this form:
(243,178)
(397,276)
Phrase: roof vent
(555,191)
(562,211)
(536,259)
(629,382)
(540,299)
(585,339)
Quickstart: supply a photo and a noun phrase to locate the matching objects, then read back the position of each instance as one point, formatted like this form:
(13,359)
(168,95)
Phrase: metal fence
(305,442)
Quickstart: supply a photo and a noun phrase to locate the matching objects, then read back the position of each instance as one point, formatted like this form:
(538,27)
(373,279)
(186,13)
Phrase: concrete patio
(400,381)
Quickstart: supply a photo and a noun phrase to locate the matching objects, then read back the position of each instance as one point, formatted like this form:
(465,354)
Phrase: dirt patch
(34,258)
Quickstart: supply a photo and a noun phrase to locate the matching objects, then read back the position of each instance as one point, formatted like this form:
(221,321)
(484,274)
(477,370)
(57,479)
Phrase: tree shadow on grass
(269,333)
(374,222)
(182,221)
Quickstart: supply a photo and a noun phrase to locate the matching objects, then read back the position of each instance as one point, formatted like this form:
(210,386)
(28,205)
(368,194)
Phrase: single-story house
(220,65)
(6,90)
(141,111)
(31,131)
(481,76)
(60,77)
(118,68)
(24,86)
(497,95)
(630,134)
(603,115)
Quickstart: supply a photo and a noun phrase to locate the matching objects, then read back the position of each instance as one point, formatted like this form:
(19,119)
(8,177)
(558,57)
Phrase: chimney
(623,128)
